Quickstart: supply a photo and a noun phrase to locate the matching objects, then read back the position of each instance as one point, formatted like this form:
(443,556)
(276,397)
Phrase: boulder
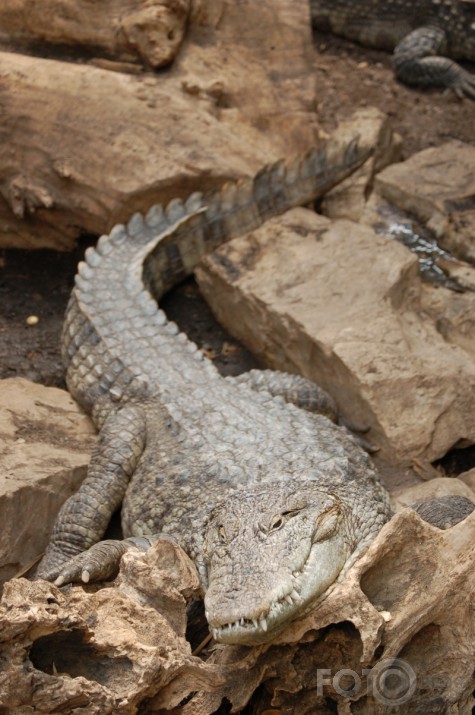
(83,148)
(45,445)
(341,305)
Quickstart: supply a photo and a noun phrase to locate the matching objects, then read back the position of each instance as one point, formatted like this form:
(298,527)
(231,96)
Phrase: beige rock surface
(121,648)
(45,443)
(453,314)
(348,199)
(460,271)
(82,148)
(468,478)
(342,306)
(437,186)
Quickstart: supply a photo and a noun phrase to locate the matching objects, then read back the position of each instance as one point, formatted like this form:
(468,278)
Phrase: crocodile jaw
(299,590)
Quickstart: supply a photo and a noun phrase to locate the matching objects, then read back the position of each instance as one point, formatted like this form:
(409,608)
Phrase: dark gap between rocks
(457,460)
(67,652)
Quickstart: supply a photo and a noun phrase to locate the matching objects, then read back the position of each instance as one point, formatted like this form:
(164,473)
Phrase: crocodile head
(268,555)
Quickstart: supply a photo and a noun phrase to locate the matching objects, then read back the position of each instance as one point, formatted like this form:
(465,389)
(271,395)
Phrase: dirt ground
(34,286)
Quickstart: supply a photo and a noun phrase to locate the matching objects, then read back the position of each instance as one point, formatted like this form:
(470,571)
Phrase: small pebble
(32,320)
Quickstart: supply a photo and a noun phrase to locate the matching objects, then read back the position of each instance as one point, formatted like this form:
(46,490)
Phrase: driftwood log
(149,31)
(82,147)
(398,633)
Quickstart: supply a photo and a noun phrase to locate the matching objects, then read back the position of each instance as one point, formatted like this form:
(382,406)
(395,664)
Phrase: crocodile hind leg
(295,389)
(444,512)
(303,393)
(418,61)
(84,517)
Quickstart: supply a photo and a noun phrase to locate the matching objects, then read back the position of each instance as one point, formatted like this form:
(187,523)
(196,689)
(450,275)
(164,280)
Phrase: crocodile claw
(99,563)
(465,85)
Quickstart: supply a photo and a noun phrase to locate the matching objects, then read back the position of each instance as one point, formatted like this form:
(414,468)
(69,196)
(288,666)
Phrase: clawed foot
(357,430)
(99,563)
(464,86)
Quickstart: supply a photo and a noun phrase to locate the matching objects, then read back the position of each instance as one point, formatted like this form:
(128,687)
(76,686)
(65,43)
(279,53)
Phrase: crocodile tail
(149,255)
(204,222)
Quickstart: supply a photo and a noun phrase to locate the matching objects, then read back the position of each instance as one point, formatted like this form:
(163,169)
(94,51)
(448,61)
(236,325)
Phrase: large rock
(45,442)
(122,649)
(342,306)
(83,148)
(437,186)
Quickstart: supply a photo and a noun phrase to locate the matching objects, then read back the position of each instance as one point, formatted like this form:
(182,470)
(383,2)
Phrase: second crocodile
(426,36)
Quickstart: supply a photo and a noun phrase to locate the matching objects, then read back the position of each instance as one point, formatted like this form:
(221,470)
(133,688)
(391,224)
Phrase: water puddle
(397,225)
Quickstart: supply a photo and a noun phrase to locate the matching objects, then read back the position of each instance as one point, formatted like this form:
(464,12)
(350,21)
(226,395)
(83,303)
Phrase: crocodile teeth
(289,600)
(263,624)
(255,623)
(295,596)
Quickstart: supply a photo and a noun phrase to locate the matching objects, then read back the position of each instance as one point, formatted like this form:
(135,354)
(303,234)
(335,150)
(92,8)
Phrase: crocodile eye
(292,512)
(222,534)
(276,523)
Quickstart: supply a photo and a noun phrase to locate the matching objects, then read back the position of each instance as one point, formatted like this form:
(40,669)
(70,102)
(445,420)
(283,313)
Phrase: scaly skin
(424,35)
(273,502)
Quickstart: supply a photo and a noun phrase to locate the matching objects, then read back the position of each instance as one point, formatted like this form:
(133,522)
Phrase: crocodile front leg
(84,517)
(295,389)
(101,561)
(418,61)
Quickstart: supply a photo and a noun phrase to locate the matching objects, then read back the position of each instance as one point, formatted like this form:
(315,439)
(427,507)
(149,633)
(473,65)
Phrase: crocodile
(427,36)
(250,475)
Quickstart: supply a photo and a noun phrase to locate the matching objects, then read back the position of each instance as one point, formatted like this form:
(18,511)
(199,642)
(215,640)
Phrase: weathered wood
(149,31)
(122,648)
(83,147)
